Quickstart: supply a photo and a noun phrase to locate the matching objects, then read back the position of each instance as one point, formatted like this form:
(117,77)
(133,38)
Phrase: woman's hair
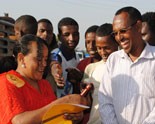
(24,45)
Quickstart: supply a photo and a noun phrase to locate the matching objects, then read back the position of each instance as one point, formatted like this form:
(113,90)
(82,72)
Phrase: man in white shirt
(126,94)
(105,44)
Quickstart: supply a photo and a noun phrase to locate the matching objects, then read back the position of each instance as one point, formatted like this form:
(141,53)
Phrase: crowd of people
(44,70)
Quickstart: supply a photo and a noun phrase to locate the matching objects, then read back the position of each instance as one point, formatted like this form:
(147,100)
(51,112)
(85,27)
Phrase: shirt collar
(68,56)
(147,52)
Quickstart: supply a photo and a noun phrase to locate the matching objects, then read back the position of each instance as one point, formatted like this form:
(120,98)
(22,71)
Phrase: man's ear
(59,37)
(139,26)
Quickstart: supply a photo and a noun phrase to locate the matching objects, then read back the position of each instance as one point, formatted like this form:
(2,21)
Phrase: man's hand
(56,71)
(74,75)
(76,117)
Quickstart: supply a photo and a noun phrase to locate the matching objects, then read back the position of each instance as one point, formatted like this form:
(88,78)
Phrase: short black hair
(45,20)
(27,24)
(134,13)
(66,21)
(149,18)
(92,28)
(105,30)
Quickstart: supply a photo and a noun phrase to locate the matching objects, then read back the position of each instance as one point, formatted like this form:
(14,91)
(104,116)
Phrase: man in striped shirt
(126,93)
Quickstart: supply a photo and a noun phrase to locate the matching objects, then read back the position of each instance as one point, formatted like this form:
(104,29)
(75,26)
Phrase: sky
(85,12)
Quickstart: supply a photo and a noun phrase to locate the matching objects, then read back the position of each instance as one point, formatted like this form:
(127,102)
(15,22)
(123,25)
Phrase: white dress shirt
(127,91)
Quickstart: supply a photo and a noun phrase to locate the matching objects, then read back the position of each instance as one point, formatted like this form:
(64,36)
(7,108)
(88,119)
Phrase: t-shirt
(83,63)
(72,63)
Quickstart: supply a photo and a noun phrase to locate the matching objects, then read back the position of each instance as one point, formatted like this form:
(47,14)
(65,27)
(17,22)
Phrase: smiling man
(68,35)
(106,44)
(126,93)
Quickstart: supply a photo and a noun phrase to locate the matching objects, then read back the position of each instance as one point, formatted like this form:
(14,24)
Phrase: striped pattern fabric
(127,91)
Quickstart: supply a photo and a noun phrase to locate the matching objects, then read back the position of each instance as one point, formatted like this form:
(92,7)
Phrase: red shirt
(83,63)
(17,99)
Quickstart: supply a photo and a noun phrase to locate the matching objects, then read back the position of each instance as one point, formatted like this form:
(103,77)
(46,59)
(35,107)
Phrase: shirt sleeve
(11,101)
(106,107)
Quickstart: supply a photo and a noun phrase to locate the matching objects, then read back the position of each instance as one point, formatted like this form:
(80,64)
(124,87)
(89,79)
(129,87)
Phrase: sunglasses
(124,30)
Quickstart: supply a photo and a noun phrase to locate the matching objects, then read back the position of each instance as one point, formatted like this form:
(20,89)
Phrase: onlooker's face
(45,31)
(105,46)
(69,36)
(17,33)
(147,35)
(126,32)
(34,68)
(90,44)
(145,31)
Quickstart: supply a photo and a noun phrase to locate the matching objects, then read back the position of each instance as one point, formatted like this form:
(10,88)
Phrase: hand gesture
(56,71)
